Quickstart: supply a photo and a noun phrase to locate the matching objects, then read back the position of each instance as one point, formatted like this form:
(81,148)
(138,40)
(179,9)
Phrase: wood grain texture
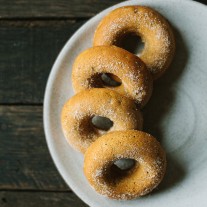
(25,162)
(28,51)
(52,8)
(39,199)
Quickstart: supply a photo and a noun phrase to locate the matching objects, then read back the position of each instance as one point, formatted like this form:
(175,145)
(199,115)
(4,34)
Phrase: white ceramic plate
(176,113)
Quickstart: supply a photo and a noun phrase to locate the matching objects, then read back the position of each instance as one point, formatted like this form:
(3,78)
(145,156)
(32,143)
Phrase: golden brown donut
(78,112)
(93,62)
(108,180)
(145,22)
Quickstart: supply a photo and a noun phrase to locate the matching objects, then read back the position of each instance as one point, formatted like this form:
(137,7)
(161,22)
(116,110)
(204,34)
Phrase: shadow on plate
(174,174)
(158,107)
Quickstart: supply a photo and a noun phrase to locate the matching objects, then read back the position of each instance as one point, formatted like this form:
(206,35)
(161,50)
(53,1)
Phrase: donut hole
(132,43)
(120,169)
(101,123)
(125,164)
(109,79)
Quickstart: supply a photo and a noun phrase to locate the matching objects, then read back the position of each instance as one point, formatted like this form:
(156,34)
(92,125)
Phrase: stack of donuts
(121,103)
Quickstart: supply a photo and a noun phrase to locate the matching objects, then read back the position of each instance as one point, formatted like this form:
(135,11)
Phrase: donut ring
(80,109)
(107,179)
(145,22)
(93,62)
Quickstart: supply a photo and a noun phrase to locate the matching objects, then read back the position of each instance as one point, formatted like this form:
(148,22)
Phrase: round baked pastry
(109,180)
(90,65)
(146,23)
(78,112)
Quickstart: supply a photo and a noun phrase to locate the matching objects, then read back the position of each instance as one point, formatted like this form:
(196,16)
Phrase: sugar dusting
(139,92)
(135,20)
(152,171)
(131,72)
(77,124)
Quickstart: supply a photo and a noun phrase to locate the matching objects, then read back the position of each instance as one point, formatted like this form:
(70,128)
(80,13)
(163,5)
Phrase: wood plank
(27,53)
(39,199)
(53,8)
(25,162)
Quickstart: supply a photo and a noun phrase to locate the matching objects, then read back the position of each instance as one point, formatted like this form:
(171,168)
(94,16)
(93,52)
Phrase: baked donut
(92,63)
(109,180)
(146,23)
(78,112)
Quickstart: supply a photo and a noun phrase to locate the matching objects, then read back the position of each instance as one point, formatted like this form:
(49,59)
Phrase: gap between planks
(23,147)
(27,54)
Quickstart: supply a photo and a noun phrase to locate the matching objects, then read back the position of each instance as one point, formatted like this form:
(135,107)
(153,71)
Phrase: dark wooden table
(32,34)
